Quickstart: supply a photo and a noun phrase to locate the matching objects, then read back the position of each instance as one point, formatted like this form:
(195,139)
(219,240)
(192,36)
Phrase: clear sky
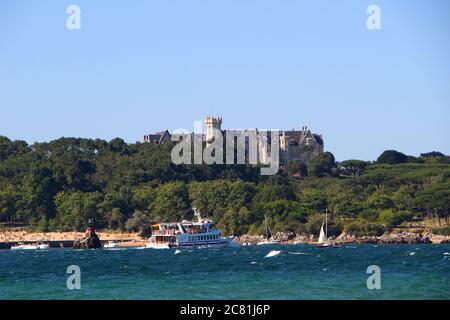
(136,67)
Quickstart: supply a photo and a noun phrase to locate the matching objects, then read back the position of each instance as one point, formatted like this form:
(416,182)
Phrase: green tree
(392,157)
(8,199)
(296,168)
(171,202)
(323,165)
(138,222)
(353,168)
(74,209)
(143,197)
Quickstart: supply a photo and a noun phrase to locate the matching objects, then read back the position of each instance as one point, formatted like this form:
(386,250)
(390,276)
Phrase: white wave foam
(273,253)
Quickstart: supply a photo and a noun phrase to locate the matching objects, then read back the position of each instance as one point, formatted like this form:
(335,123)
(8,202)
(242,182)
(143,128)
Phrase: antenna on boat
(198,215)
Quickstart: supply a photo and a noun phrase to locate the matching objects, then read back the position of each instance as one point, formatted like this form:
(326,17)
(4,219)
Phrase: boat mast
(326,223)
(267,229)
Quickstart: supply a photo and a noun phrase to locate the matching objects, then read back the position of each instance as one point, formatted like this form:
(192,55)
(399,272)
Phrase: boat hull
(224,243)
(31,247)
(25,248)
(327,245)
(267,243)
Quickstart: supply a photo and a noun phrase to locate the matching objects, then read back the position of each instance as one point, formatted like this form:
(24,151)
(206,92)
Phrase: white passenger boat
(188,234)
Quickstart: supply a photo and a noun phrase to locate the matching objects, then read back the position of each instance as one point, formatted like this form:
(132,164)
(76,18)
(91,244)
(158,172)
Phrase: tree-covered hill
(60,184)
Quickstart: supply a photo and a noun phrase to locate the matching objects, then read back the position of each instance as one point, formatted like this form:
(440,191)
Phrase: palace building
(294,144)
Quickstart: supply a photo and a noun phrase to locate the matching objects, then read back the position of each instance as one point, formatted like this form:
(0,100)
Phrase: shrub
(392,219)
(138,222)
(364,228)
(443,231)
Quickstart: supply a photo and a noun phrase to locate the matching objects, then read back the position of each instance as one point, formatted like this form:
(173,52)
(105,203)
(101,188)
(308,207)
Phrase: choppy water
(298,272)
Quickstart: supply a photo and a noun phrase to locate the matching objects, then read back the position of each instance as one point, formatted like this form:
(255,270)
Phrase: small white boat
(32,246)
(111,244)
(323,237)
(43,246)
(268,240)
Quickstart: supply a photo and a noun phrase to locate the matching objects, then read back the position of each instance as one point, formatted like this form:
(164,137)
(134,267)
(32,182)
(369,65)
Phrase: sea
(293,272)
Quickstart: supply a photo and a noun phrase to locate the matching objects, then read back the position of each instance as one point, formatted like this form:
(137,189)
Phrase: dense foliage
(59,185)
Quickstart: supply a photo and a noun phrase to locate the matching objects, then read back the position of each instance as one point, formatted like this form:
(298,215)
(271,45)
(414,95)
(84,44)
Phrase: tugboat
(91,240)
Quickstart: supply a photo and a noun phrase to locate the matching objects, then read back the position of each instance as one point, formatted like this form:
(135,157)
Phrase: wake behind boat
(188,234)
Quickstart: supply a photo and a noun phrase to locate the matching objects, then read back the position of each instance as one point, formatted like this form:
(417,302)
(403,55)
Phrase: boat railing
(164,232)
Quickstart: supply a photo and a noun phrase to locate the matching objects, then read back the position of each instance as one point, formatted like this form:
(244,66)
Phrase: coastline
(130,239)
(391,238)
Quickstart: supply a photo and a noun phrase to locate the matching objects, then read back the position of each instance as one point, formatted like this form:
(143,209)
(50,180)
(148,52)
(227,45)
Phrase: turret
(212,123)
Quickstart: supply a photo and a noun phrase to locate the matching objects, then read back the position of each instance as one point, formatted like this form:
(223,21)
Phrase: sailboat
(323,237)
(267,235)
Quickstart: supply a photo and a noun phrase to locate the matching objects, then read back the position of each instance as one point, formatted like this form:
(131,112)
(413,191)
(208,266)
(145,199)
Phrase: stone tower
(212,123)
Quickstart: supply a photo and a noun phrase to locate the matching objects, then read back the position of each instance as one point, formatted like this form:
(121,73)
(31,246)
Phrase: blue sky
(136,67)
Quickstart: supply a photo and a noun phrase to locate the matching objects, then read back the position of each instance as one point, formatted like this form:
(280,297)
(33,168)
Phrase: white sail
(322,236)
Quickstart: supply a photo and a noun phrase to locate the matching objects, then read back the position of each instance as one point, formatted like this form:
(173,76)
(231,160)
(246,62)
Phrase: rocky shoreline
(133,239)
(392,238)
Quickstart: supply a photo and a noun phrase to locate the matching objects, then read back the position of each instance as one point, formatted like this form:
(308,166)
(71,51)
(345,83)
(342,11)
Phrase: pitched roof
(318,138)
(158,137)
(295,137)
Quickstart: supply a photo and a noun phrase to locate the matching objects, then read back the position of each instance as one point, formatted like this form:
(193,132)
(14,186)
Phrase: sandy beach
(18,236)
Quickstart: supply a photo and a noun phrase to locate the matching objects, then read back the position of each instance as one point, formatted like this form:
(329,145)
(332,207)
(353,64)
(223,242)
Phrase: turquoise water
(298,272)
